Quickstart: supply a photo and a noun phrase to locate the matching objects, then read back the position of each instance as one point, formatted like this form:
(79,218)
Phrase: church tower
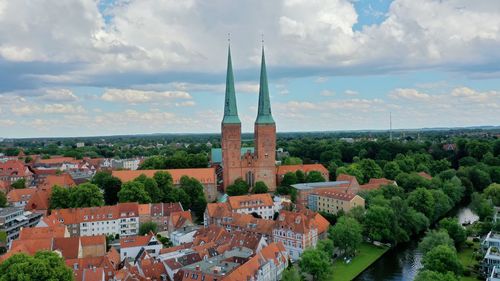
(265,134)
(231,130)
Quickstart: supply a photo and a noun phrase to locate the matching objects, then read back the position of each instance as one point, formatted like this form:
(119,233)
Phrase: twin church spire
(264,115)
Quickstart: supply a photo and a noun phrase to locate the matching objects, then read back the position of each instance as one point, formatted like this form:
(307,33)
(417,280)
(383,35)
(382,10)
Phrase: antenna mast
(390,126)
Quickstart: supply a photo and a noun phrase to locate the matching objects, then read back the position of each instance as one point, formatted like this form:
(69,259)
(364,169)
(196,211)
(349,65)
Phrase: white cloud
(55,108)
(138,96)
(409,94)
(351,93)
(319,33)
(59,95)
(327,93)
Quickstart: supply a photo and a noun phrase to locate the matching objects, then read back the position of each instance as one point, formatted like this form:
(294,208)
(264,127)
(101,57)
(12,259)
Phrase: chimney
(197,267)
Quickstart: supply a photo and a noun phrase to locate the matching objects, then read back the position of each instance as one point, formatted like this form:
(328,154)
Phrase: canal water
(403,262)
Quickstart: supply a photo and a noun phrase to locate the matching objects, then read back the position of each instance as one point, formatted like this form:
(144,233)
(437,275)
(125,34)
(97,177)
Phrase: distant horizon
(331,65)
(424,129)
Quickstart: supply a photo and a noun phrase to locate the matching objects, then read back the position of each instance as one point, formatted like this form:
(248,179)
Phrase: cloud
(351,93)
(59,95)
(55,108)
(318,37)
(409,94)
(327,93)
(137,96)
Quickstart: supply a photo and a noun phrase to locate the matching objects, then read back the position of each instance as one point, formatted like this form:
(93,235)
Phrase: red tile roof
(135,241)
(425,175)
(68,246)
(63,180)
(251,200)
(204,175)
(13,168)
(23,194)
(58,160)
(54,231)
(306,168)
(376,183)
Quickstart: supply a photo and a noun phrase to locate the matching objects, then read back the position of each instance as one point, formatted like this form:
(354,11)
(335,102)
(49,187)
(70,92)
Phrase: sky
(108,67)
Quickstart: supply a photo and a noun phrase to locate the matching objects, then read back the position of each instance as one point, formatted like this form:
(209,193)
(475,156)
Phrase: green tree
(442,203)
(86,195)
(477,149)
(482,207)
(442,259)
(289,179)
(353,171)
(316,263)
(314,176)
(421,200)
(195,191)
(18,184)
(165,182)
(379,223)
(133,191)
(325,245)
(111,186)
(292,161)
(346,234)
(3,200)
(370,169)
(179,195)
(427,275)
(153,190)
(433,239)
(301,177)
(147,227)
(454,229)
(41,266)
(260,187)
(439,166)
(391,170)
(291,274)
(239,187)
(60,198)
(493,192)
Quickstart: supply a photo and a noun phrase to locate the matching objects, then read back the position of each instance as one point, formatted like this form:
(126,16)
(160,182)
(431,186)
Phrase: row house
(334,202)
(56,238)
(132,246)
(259,204)
(13,219)
(160,213)
(239,264)
(121,219)
(13,170)
(219,214)
(299,230)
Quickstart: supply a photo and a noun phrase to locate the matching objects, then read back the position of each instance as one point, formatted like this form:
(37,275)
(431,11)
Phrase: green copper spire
(264,113)
(230,109)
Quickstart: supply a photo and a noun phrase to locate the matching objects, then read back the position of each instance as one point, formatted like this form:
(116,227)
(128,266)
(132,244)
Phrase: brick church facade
(258,165)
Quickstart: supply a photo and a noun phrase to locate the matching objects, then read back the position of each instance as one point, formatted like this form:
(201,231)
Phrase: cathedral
(250,164)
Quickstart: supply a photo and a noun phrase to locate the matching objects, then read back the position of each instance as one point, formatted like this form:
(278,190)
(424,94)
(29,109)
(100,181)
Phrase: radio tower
(390,126)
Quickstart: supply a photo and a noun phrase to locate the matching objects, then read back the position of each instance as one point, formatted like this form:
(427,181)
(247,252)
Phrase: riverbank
(468,261)
(367,255)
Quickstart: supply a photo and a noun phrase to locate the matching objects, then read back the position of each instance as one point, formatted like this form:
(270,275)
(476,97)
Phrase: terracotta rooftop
(376,183)
(204,175)
(135,241)
(23,194)
(13,168)
(250,200)
(425,175)
(306,168)
(54,231)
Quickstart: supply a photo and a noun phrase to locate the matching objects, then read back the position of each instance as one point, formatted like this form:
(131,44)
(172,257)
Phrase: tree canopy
(42,266)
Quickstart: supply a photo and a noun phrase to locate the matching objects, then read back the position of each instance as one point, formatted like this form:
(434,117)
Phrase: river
(403,262)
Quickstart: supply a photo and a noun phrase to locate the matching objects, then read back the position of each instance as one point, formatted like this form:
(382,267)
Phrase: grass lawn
(467,260)
(367,254)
